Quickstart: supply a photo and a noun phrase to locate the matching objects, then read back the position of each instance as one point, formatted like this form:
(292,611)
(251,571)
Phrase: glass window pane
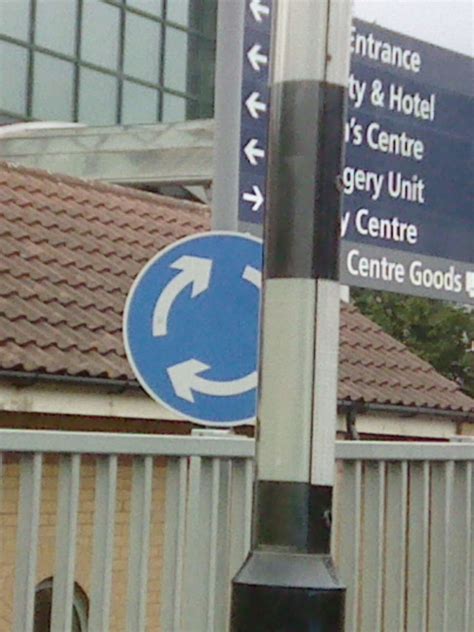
(52,88)
(151,6)
(13,78)
(142,48)
(97,98)
(174,108)
(140,104)
(14,18)
(55,25)
(178,11)
(176,58)
(100,34)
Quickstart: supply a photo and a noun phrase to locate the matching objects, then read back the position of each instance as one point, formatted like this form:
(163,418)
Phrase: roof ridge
(105,187)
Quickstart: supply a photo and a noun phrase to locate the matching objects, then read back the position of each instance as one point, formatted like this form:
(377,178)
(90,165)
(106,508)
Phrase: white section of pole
(338,42)
(299,40)
(325,383)
(286,382)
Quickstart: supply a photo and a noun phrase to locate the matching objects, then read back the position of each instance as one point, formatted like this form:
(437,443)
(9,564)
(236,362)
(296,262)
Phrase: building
(70,249)
(107,62)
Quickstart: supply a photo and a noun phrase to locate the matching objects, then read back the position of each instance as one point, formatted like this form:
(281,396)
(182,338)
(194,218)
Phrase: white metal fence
(403,530)
(404,536)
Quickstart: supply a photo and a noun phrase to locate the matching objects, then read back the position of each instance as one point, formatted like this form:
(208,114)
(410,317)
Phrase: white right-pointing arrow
(256,58)
(256,198)
(185,379)
(195,271)
(258,9)
(254,106)
(253,152)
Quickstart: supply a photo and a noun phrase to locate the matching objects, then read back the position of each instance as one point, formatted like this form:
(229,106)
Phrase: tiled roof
(69,250)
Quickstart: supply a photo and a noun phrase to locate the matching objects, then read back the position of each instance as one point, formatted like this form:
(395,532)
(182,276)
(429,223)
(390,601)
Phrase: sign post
(288,581)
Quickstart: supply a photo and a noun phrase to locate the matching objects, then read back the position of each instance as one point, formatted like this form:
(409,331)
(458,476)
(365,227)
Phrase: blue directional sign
(408,220)
(408,224)
(254,111)
(191,326)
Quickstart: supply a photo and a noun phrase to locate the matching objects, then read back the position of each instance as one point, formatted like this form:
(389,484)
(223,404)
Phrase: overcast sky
(447,23)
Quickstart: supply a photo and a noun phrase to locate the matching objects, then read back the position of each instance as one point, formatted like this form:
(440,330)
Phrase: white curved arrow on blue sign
(185,378)
(195,271)
(253,276)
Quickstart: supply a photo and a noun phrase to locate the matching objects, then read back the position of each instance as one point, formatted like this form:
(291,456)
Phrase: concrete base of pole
(287,592)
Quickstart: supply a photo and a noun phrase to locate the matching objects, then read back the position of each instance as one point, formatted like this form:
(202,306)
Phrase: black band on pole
(304,185)
(329,193)
(289,227)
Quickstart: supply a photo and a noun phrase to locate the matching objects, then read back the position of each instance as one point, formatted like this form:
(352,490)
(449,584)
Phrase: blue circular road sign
(191,327)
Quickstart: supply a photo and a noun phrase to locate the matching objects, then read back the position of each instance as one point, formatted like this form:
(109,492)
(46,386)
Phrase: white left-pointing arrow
(195,271)
(253,152)
(256,198)
(258,9)
(185,379)
(256,58)
(254,106)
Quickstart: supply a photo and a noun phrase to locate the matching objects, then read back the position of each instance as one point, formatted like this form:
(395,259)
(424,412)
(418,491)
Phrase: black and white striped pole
(288,582)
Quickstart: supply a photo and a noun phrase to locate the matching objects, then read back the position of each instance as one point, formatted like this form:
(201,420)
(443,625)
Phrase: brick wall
(47,533)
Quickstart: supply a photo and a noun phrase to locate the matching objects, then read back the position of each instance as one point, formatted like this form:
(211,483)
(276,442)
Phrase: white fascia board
(56,399)
(391,425)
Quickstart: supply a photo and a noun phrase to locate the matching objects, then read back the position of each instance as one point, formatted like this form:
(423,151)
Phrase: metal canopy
(146,156)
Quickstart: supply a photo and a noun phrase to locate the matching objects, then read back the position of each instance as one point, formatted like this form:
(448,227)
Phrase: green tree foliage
(440,333)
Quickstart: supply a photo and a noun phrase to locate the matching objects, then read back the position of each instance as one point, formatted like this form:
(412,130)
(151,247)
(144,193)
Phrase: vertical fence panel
(213,552)
(469,583)
(249,481)
(1,480)
(27,540)
(222,550)
(139,543)
(1,497)
(372,545)
(418,546)
(174,544)
(240,512)
(441,501)
(458,550)
(66,529)
(348,524)
(104,522)
(198,546)
(395,547)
